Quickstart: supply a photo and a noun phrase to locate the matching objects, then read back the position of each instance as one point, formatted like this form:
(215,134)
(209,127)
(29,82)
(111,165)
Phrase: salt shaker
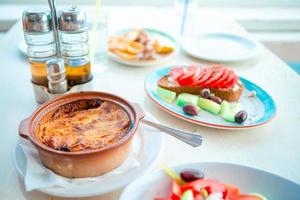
(40,42)
(56,74)
(73,31)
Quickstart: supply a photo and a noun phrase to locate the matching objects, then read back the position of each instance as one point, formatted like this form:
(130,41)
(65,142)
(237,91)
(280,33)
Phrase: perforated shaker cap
(72,20)
(36,20)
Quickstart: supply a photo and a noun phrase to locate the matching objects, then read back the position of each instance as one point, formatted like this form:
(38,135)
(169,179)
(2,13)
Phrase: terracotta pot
(82,163)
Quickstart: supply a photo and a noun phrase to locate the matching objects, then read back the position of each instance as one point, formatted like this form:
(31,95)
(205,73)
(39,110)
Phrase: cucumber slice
(166,95)
(185,98)
(235,108)
(225,107)
(209,106)
(226,113)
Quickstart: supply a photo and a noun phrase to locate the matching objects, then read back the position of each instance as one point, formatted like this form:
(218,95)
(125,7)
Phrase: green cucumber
(235,108)
(228,111)
(166,95)
(209,106)
(187,195)
(186,98)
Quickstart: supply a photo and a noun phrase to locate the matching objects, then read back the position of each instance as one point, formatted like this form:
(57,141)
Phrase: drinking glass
(186,12)
(98,42)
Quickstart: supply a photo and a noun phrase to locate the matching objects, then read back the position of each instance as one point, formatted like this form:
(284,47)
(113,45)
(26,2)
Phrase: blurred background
(276,23)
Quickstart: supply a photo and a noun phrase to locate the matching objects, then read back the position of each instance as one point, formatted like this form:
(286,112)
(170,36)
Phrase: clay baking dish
(82,163)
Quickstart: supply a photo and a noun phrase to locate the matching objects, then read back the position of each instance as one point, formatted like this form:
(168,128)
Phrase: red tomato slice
(206,75)
(193,67)
(199,197)
(232,82)
(214,77)
(197,73)
(230,77)
(231,191)
(176,72)
(176,191)
(186,78)
(222,78)
(244,197)
(208,184)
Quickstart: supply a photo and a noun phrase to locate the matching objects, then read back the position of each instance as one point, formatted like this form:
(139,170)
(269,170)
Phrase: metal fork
(189,138)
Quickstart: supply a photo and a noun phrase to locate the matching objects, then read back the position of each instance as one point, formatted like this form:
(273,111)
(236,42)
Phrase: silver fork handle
(192,139)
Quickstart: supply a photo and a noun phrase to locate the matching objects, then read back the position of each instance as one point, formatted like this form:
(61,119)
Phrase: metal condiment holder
(42,93)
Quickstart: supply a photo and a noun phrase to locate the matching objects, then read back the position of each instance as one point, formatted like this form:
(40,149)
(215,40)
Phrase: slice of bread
(228,94)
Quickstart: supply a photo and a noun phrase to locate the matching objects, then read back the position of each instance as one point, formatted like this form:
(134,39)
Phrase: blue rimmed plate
(261,109)
(162,37)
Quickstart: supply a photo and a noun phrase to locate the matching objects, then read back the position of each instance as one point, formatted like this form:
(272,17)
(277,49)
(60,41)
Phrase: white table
(273,147)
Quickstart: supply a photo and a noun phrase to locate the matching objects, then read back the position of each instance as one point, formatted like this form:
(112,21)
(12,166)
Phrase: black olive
(241,116)
(216,99)
(205,93)
(189,175)
(190,110)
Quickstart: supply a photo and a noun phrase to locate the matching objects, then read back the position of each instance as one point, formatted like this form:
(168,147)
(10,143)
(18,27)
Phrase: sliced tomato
(230,77)
(217,73)
(176,191)
(231,191)
(162,198)
(232,82)
(193,67)
(207,72)
(209,185)
(197,73)
(222,78)
(199,197)
(186,78)
(176,72)
(244,197)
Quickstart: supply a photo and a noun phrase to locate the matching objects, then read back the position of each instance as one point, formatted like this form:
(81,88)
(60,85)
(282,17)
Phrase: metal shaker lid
(36,20)
(72,19)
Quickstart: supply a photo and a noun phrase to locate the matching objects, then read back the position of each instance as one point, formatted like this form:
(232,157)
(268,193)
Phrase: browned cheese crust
(84,125)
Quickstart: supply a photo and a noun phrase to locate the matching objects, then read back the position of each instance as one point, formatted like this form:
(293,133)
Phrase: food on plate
(215,99)
(166,95)
(221,81)
(191,185)
(189,175)
(185,98)
(204,88)
(138,45)
(190,110)
(241,116)
(209,106)
(84,125)
(252,94)
(205,93)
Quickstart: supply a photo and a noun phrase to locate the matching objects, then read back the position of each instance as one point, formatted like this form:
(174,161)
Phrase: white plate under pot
(150,144)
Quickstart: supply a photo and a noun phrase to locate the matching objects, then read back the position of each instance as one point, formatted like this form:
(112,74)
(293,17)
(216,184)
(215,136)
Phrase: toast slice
(228,94)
